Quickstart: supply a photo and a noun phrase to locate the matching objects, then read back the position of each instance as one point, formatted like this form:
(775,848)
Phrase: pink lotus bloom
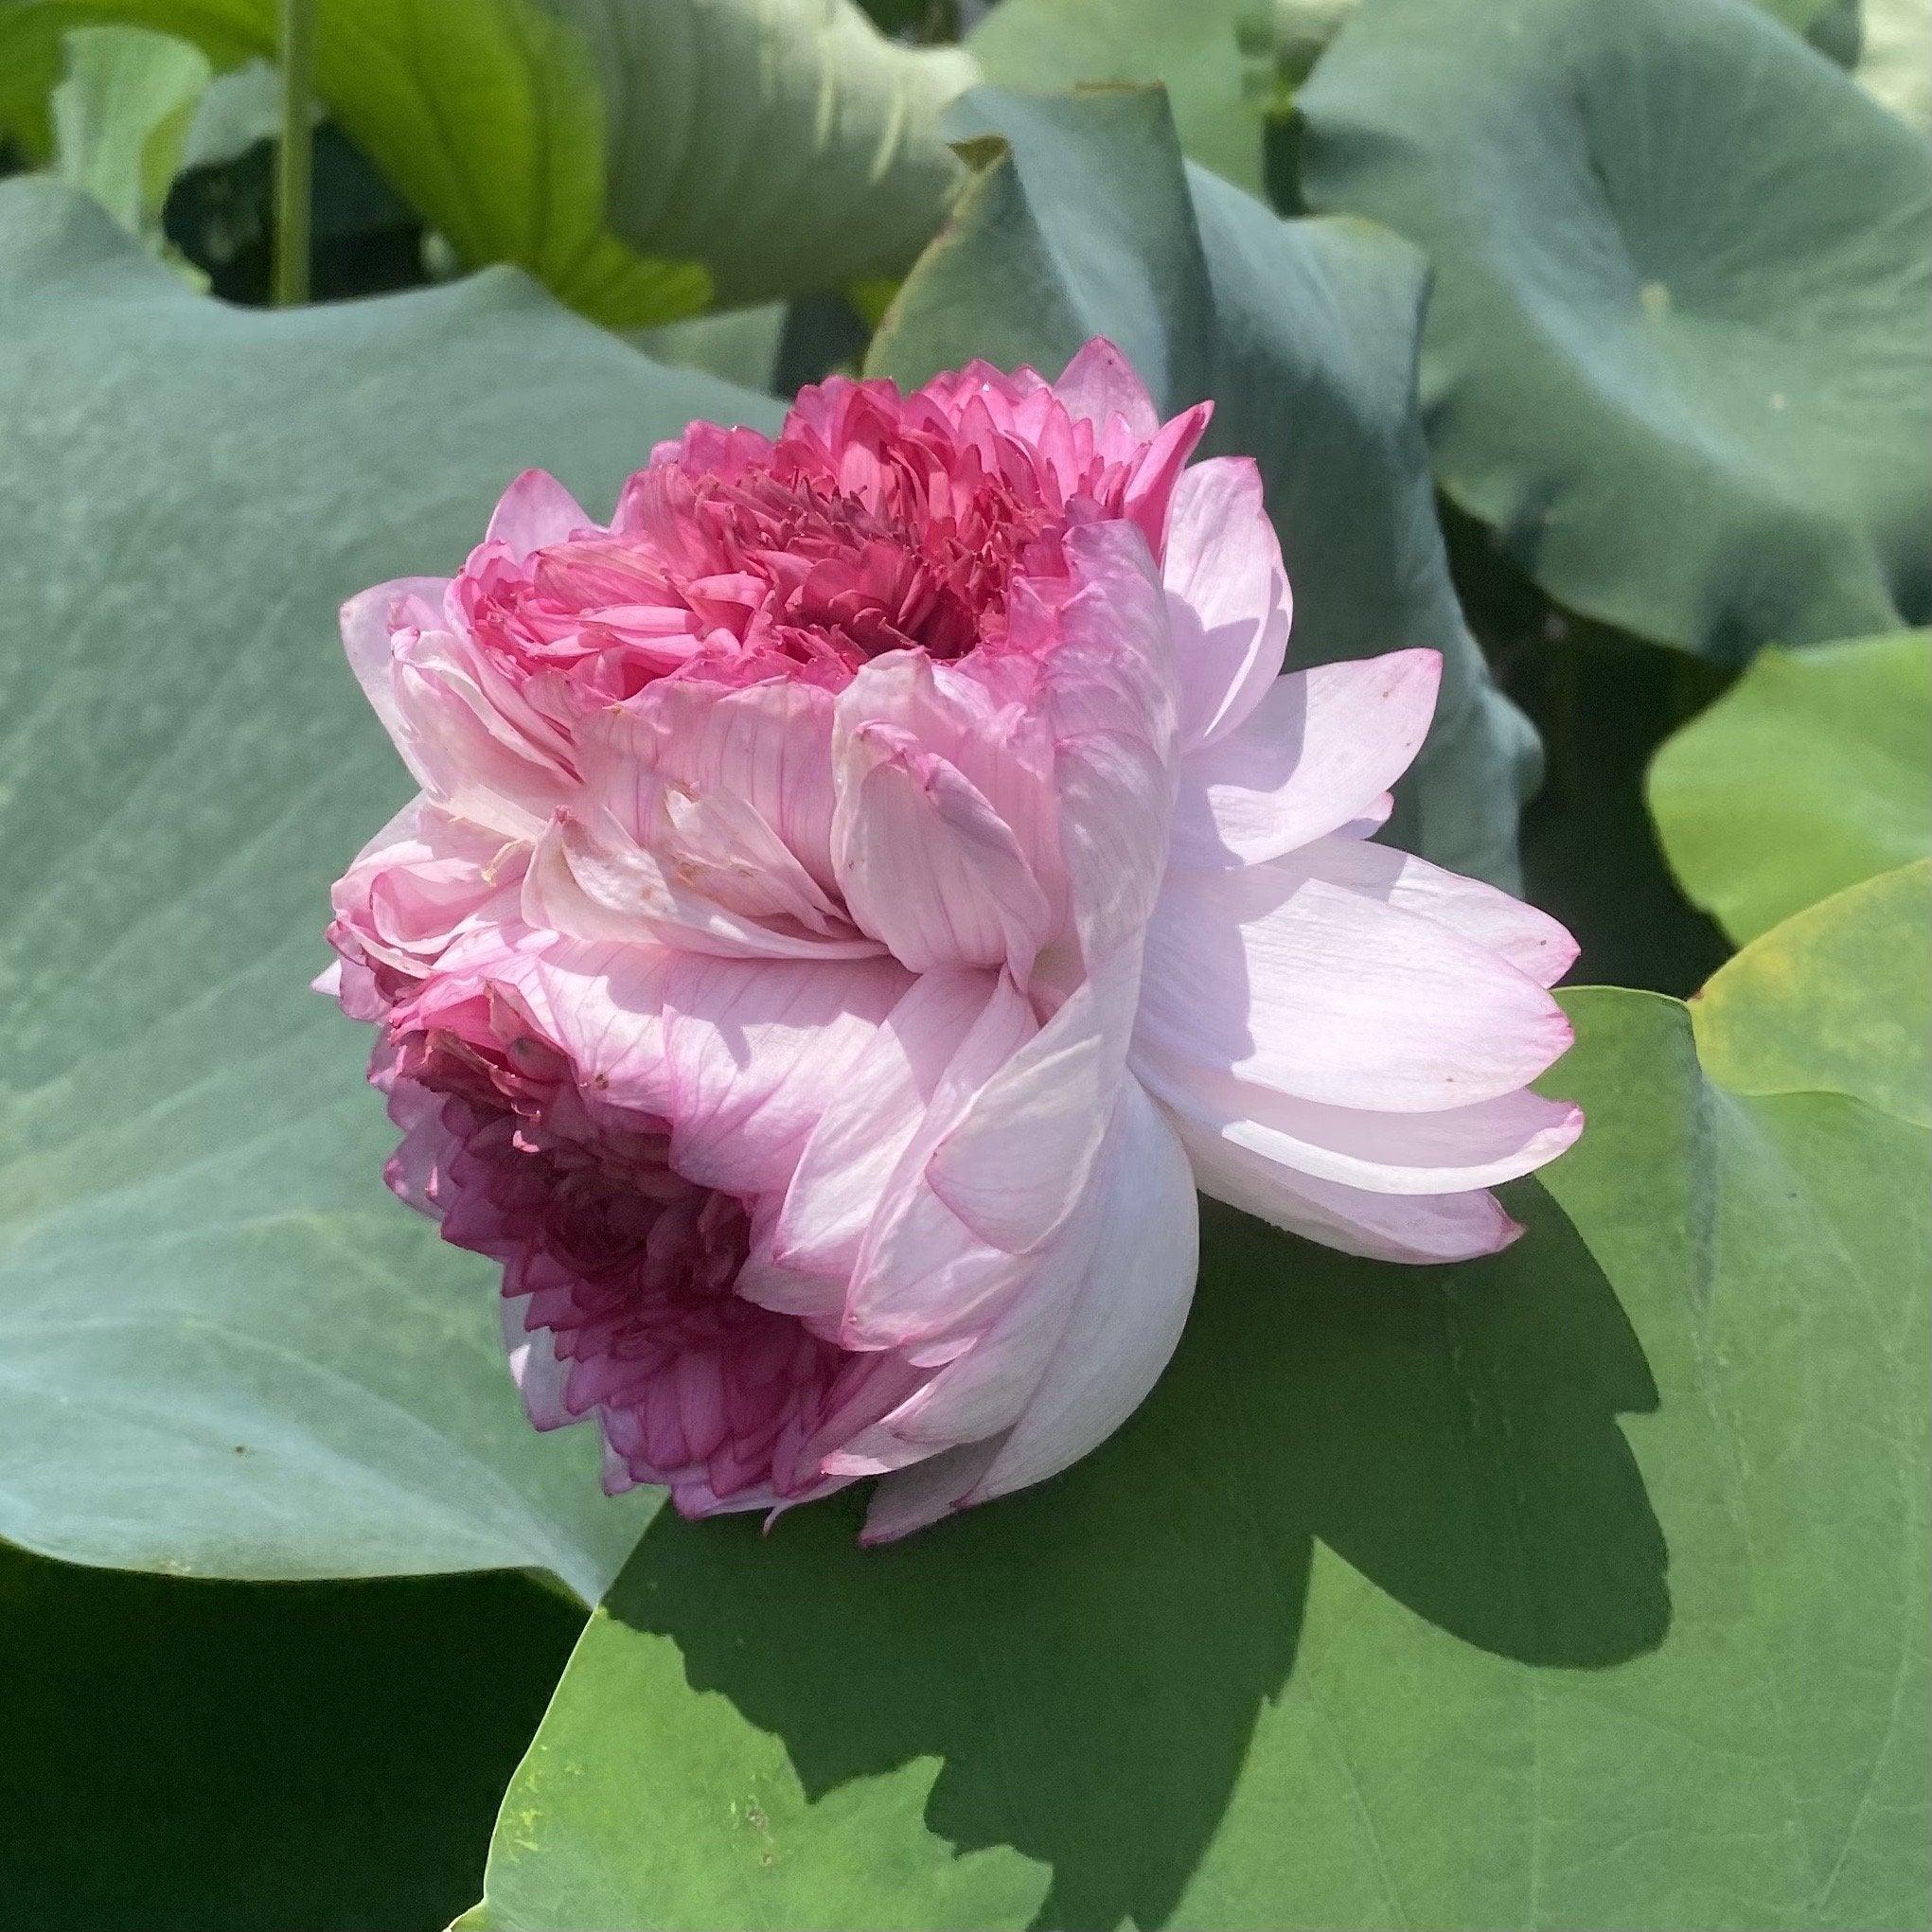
(859,895)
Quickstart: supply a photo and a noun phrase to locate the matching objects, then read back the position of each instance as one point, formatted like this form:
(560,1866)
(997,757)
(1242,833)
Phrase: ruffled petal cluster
(859,895)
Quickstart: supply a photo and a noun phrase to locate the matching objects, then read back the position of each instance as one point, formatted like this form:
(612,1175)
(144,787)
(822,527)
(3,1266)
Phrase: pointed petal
(591,879)
(472,741)
(1100,382)
(1321,749)
(1285,980)
(534,511)
(743,1057)
(1446,1150)
(1227,596)
(1122,1321)
(542,1379)
(1110,697)
(768,744)
(1020,1150)
(758,1051)
(1532,941)
(1410,1229)
(1157,473)
(1003,752)
(913,1497)
(921,1272)
(1128,1313)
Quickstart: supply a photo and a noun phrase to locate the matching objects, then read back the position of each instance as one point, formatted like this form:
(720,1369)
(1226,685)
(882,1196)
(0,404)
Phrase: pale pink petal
(591,879)
(742,1058)
(542,1379)
(768,744)
(1121,1321)
(1411,1228)
(1366,822)
(1533,942)
(1005,1158)
(912,1498)
(1020,1149)
(1286,981)
(921,1273)
(983,1390)
(603,1006)
(1099,384)
(721,846)
(1227,594)
(1319,749)
(472,739)
(925,863)
(1130,1309)
(412,1172)
(535,510)
(1445,1150)
(1110,697)
(1005,752)
(860,1137)
(686,861)
(421,881)
(370,623)
(759,1053)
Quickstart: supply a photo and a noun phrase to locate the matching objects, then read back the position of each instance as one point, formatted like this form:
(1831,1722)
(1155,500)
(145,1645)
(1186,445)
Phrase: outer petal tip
(1509,1230)
(534,511)
(1099,381)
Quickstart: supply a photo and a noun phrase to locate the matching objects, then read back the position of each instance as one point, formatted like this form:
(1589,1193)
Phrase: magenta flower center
(785,558)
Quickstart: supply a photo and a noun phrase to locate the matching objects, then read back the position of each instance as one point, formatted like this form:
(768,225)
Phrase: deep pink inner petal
(630,1269)
(874,523)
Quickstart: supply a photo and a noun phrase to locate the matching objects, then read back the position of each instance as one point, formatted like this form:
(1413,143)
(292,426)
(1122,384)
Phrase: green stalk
(294,154)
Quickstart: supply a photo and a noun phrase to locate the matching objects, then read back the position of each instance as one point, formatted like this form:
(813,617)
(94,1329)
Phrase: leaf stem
(294,154)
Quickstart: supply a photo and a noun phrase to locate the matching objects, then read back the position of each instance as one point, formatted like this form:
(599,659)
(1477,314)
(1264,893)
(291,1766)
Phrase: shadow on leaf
(1088,1659)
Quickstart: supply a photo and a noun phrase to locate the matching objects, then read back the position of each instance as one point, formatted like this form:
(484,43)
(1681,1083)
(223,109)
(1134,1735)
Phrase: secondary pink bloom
(858,895)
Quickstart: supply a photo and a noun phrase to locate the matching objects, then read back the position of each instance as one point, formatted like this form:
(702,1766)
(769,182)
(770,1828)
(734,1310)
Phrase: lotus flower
(860,893)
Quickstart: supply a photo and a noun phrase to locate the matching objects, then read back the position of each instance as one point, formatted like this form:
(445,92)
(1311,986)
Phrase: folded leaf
(1083,220)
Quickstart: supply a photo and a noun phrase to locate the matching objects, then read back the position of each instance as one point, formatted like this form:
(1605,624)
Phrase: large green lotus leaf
(196,1756)
(1582,1587)
(1678,354)
(223,1347)
(1214,57)
(1083,220)
(639,156)
(1812,772)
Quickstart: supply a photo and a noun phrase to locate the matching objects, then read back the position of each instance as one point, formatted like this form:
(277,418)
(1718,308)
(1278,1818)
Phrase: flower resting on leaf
(859,895)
